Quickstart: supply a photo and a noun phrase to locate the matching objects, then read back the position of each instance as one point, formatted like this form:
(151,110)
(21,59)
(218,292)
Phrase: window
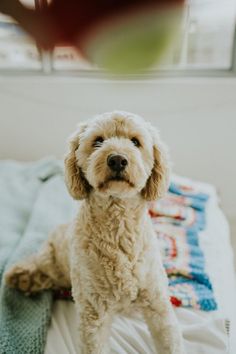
(205,42)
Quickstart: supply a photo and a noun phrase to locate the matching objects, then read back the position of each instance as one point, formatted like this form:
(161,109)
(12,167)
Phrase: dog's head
(117,154)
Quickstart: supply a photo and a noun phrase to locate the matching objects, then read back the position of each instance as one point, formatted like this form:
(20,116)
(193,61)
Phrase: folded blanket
(34,200)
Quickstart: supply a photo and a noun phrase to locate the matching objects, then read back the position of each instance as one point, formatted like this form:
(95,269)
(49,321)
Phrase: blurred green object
(134,44)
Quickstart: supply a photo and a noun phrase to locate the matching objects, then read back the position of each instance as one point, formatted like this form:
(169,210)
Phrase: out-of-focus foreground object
(122,35)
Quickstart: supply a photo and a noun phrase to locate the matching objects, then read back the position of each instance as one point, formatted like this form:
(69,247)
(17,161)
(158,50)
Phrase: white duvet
(204,332)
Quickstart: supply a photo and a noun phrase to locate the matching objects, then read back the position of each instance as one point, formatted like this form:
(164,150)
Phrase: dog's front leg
(162,322)
(94,327)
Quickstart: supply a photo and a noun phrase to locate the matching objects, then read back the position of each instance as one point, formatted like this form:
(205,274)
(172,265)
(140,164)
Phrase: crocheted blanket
(34,200)
(177,220)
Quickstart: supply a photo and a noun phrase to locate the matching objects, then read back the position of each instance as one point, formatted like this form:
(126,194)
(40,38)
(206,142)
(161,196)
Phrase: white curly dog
(109,254)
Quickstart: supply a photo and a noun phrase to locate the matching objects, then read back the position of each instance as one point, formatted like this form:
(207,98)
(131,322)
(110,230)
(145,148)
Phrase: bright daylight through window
(207,32)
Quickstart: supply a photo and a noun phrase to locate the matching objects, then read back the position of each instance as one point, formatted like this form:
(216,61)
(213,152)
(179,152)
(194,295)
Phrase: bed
(204,332)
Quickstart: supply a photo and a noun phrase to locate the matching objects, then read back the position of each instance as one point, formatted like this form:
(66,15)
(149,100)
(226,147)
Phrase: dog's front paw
(27,279)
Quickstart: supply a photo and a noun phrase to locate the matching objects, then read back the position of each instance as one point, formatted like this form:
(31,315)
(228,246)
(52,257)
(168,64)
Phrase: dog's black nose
(117,163)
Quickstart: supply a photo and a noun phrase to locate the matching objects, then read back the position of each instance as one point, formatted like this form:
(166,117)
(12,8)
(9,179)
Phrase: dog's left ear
(158,182)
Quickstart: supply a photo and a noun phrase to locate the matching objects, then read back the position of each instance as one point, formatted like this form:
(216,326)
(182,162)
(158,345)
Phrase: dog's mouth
(116,178)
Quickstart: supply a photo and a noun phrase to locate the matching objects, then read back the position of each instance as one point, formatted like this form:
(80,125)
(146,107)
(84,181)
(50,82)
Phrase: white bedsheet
(204,333)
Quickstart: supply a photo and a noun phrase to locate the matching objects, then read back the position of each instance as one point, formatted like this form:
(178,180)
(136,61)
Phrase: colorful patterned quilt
(178,219)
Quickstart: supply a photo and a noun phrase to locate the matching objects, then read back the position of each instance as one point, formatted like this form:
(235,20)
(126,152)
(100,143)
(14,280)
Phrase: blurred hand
(120,35)
(8,7)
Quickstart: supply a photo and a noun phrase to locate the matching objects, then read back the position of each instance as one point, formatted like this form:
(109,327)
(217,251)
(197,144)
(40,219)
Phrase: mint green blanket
(33,201)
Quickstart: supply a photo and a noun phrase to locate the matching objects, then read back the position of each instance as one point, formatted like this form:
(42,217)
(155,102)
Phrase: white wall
(197,118)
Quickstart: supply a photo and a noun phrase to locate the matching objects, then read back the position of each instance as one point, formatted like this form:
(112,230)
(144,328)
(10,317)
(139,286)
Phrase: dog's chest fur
(111,243)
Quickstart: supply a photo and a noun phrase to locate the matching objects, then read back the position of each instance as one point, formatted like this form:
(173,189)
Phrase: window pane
(17,50)
(211,33)
(68,58)
(207,35)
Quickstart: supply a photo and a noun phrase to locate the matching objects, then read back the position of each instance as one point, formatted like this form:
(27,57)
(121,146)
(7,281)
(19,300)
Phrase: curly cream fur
(110,253)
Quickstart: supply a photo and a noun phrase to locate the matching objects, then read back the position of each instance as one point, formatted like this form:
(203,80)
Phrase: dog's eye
(98,141)
(136,142)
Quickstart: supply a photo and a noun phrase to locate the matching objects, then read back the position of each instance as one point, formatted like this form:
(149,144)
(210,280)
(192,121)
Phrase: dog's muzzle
(117,163)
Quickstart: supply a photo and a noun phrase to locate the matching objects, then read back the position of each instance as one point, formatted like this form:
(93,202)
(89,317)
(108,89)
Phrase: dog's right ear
(76,182)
